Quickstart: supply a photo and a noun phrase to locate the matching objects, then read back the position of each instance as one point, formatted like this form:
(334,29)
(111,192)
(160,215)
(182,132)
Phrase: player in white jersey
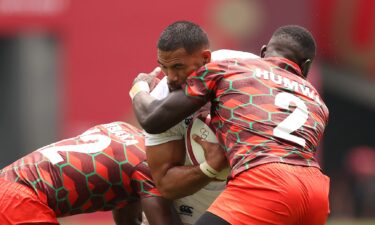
(190,207)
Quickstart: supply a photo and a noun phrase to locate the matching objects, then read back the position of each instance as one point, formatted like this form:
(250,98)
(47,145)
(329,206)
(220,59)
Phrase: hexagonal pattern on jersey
(245,114)
(88,179)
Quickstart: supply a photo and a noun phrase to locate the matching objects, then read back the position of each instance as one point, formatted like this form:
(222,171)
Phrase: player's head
(294,43)
(183,47)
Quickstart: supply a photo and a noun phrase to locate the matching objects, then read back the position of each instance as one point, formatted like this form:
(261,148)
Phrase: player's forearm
(129,215)
(142,105)
(149,113)
(181,181)
(156,116)
(160,211)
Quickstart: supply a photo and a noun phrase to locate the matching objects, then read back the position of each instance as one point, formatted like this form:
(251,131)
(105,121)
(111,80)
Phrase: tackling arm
(156,116)
(158,211)
(131,214)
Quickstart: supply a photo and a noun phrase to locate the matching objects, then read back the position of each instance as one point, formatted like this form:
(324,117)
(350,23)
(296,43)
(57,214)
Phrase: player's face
(178,64)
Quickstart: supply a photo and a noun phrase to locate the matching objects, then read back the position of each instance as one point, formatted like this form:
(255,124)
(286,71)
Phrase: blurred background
(68,65)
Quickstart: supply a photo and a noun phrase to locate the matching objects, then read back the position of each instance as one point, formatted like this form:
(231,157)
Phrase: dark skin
(157,116)
(159,211)
(284,48)
(167,112)
(131,214)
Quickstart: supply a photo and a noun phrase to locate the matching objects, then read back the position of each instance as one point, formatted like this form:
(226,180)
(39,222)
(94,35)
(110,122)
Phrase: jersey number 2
(294,121)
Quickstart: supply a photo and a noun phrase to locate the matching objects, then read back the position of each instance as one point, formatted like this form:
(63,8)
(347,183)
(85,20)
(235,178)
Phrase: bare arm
(172,178)
(156,116)
(131,214)
(160,211)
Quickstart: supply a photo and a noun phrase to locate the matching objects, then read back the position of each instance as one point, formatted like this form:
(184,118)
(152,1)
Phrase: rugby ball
(200,125)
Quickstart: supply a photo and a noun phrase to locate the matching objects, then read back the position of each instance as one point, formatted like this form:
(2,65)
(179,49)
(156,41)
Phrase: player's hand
(214,153)
(150,78)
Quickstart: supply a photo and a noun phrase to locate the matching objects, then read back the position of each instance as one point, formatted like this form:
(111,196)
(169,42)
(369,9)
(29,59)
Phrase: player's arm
(156,116)
(172,178)
(160,211)
(131,214)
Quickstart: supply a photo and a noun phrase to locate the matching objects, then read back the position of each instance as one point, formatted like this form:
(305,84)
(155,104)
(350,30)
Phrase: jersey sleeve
(141,181)
(173,134)
(202,84)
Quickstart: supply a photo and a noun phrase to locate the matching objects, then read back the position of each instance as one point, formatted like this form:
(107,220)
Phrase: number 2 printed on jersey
(294,121)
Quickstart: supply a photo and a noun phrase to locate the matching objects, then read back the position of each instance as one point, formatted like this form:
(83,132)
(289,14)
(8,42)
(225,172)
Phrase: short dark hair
(300,36)
(183,34)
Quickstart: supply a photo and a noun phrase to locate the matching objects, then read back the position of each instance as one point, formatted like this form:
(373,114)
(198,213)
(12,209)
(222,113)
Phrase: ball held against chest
(200,125)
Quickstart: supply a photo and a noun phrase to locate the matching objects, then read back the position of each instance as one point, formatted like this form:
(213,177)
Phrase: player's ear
(206,56)
(263,50)
(305,67)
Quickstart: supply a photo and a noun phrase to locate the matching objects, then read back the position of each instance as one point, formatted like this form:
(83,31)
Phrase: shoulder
(224,54)
(161,90)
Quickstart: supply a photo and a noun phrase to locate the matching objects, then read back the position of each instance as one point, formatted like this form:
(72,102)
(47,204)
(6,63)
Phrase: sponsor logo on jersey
(186,210)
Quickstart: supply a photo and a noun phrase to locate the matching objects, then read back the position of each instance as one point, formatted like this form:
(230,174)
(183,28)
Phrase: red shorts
(275,193)
(20,205)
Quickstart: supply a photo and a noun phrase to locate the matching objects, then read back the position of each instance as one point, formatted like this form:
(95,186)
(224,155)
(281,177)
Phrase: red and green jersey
(102,169)
(263,111)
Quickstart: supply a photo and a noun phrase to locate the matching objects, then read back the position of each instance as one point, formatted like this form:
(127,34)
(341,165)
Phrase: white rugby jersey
(191,207)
